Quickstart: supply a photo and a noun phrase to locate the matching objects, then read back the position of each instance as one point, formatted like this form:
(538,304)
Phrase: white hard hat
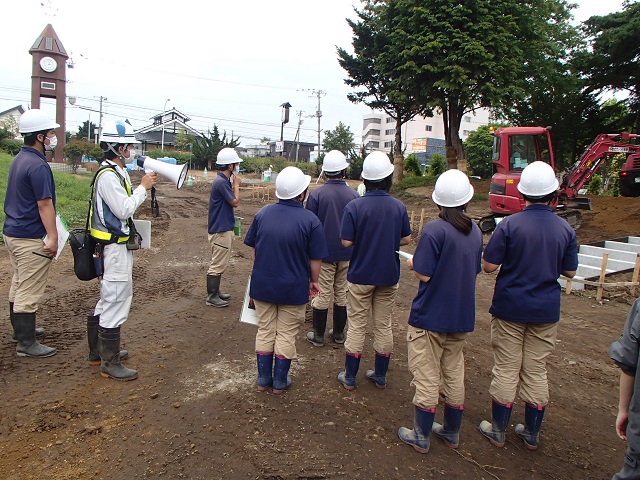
(35,120)
(376,166)
(118,131)
(452,189)
(291,182)
(537,180)
(334,161)
(227,156)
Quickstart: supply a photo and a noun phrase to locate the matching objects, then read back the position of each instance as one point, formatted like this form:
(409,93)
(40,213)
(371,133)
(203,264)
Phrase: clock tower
(48,78)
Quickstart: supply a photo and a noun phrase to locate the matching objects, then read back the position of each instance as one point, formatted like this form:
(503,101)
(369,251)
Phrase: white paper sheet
(248,315)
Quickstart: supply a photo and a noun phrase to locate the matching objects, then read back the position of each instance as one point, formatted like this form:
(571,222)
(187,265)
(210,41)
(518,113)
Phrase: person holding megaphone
(224,197)
(113,203)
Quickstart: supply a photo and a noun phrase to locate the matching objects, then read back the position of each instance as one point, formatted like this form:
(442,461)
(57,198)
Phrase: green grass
(72,194)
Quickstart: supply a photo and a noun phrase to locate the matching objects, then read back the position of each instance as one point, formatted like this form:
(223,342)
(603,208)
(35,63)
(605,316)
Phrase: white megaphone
(176,173)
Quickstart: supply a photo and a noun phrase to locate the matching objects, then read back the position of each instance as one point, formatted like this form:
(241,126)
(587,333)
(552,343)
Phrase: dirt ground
(194,412)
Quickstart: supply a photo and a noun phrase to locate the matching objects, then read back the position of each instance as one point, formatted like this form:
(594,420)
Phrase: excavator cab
(513,149)
(629,176)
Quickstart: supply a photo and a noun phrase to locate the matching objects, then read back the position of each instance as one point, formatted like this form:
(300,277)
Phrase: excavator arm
(590,161)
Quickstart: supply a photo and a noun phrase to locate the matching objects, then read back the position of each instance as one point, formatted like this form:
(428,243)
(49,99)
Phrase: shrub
(10,146)
(438,165)
(412,165)
(595,185)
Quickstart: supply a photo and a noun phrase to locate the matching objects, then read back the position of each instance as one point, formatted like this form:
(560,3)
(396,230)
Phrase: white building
(421,135)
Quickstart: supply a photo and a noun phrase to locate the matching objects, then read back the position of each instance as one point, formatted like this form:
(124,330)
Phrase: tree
(373,67)
(76,150)
(86,131)
(462,55)
(341,138)
(478,148)
(206,148)
(183,140)
(613,62)
(10,125)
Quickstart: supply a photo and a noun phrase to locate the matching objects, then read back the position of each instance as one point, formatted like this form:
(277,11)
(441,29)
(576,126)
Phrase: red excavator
(516,147)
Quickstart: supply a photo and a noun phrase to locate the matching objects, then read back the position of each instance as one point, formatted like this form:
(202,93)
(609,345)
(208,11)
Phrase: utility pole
(318,114)
(299,112)
(97,135)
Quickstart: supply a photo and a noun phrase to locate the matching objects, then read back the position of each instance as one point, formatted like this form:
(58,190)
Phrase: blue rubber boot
(379,375)
(351,366)
(529,432)
(265,366)
(449,430)
(418,437)
(281,378)
(496,430)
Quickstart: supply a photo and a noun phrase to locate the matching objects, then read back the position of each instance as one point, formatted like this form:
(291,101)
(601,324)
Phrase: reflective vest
(101,233)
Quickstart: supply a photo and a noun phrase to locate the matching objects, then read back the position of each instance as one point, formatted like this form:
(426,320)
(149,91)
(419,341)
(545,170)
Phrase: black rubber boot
(339,323)
(223,296)
(530,431)
(316,338)
(213,291)
(93,321)
(39,331)
(24,325)
(109,345)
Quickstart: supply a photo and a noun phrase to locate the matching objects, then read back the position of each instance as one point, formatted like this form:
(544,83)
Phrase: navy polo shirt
(30,180)
(533,247)
(328,203)
(446,303)
(375,223)
(285,237)
(221,218)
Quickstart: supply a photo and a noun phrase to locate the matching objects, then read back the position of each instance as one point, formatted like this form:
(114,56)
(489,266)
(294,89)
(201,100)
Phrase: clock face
(48,64)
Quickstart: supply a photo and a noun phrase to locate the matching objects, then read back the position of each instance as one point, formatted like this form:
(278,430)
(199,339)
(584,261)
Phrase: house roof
(20,109)
(154,128)
(173,110)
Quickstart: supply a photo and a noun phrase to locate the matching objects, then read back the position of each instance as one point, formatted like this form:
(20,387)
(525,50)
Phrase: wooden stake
(568,287)
(421,221)
(412,218)
(634,278)
(603,273)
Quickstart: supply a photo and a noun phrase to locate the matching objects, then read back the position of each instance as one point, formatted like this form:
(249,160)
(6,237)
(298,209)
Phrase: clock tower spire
(48,78)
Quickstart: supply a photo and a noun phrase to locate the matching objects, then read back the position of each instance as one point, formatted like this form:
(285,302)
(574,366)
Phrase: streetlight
(162,119)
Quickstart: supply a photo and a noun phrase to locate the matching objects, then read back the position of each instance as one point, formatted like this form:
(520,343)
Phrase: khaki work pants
(520,352)
(278,326)
(30,272)
(375,302)
(332,280)
(220,244)
(436,361)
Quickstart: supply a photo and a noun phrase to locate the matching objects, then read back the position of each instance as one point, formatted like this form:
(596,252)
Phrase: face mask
(132,155)
(53,142)
(236,170)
